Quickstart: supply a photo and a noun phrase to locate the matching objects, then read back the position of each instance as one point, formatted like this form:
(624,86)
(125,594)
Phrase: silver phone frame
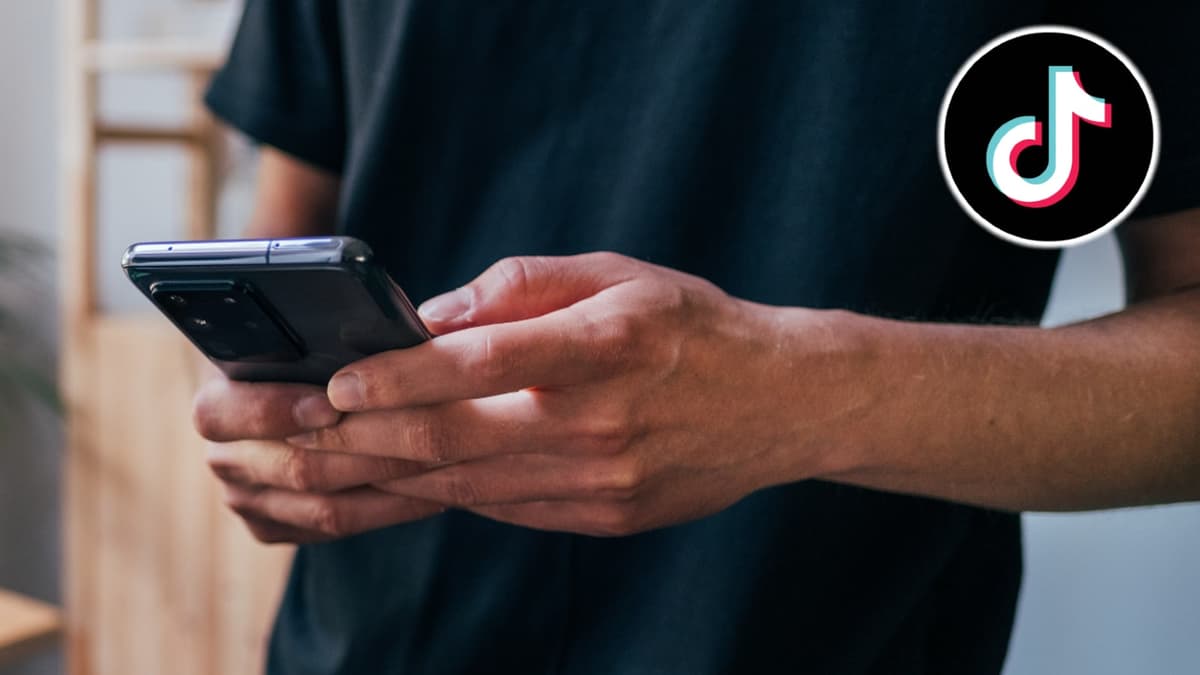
(290,251)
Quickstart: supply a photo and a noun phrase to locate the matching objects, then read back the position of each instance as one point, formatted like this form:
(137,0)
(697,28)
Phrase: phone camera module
(226,320)
(221,350)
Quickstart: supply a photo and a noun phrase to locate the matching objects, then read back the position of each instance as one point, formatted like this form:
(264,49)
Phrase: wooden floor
(160,577)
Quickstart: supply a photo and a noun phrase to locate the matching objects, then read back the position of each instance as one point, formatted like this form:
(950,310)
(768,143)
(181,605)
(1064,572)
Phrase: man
(721,462)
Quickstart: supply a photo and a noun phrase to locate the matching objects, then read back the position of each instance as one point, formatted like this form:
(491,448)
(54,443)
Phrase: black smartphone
(283,310)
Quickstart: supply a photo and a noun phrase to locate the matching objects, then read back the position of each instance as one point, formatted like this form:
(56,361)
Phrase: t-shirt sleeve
(282,84)
(1160,37)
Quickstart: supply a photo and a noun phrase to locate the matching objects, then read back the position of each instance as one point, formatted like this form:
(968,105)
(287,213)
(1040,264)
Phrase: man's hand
(601,395)
(288,494)
(284,494)
(593,394)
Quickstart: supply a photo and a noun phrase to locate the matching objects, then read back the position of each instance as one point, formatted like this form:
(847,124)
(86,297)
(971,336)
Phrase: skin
(602,395)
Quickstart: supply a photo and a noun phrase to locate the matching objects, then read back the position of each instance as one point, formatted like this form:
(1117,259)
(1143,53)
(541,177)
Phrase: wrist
(830,373)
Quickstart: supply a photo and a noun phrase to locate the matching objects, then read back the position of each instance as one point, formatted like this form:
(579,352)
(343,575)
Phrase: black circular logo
(1048,136)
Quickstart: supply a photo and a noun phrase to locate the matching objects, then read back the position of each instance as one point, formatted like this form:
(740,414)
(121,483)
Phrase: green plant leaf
(17,378)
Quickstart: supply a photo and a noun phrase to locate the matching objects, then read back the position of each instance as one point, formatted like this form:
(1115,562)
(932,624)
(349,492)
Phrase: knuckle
(674,300)
(327,518)
(614,519)
(623,329)
(330,438)
(488,359)
(515,272)
(300,472)
(620,480)
(383,381)
(609,258)
(618,338)
(424,440)
(608,431)
(461,491)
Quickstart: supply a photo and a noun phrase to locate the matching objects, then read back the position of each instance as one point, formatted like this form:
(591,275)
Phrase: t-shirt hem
(270,126)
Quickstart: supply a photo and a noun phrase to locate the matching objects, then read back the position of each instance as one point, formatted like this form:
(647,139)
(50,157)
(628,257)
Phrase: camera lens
(177,300)
(199,322)
(221,350)
(230,300)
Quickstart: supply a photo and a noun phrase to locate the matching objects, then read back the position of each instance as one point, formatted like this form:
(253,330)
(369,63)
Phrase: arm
(293,199)
(1098,414)
(603,395)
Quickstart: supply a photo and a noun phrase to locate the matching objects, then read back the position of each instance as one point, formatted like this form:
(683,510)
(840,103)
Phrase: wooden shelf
(161,54)
(25,625)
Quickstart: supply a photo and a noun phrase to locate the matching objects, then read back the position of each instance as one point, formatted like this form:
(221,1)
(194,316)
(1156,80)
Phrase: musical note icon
(1069,103)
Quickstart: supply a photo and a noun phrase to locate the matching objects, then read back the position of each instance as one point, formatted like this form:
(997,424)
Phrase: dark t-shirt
(783,150)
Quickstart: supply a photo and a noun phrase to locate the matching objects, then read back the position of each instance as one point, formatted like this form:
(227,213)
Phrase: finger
(566,347)
(334,515)
(515,479)
(597,519)
(514,289)
(271,532)
(225,410)
(275,464)
(518,422)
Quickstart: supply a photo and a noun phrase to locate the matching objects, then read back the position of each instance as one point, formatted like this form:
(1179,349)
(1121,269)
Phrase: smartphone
(282,310)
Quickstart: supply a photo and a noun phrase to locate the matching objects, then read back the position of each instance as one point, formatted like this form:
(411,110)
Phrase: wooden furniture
(159,578)
(25,626)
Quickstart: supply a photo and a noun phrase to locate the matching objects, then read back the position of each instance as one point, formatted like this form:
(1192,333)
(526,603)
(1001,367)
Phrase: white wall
(29,204)
(1105,593)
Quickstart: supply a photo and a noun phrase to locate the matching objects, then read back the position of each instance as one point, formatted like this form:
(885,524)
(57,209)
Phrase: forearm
(1099,414)
(292,199)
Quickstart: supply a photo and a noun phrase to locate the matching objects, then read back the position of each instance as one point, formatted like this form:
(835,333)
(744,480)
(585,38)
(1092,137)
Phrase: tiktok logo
(1069,105)
(1057,181)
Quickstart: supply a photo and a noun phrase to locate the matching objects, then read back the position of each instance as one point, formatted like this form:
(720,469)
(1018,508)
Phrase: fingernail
(446,306)
(315,412)
(346,391)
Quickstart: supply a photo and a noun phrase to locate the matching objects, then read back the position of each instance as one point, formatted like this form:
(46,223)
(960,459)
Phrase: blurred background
(1105,593)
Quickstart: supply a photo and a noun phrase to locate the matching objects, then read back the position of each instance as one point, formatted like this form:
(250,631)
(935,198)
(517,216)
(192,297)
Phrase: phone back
(289,310)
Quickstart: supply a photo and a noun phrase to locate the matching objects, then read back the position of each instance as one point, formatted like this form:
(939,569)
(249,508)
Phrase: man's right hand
(269,483)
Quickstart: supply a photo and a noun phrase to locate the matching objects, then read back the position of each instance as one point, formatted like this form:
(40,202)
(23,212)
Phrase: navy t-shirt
(783,150)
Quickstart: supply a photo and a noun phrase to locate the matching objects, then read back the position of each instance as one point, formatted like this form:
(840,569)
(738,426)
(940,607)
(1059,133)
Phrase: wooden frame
(159,578)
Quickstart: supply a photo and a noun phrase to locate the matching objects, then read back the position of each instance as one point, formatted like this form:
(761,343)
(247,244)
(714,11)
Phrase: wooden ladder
(159,578)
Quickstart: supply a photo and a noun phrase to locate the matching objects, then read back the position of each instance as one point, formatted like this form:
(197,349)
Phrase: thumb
(514,289)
